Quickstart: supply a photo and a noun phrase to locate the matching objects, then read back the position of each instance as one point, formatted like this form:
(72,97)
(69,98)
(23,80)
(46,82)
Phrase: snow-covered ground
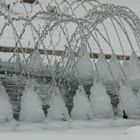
(117,129)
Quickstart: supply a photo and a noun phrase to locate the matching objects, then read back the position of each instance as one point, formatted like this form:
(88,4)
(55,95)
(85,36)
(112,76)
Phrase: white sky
(132,4)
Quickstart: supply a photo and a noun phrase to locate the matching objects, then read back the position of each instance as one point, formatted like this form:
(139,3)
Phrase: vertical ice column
(6,112)
(58,109)
(82,108)
(31,107)
(100,101)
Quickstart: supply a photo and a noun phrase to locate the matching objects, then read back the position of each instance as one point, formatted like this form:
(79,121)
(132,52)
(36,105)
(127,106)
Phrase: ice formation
(102,67)
(82,107)
(31,107)
(115,68)
(6,112)
(100,101)
(128,101)
(125,67)
(138,96)
(36,61)
(18,59)
(84,66)
(57,109)
(134,69)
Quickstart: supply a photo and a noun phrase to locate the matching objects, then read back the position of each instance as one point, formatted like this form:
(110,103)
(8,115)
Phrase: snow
(89,130)
(31,107)
(82,108)
(100,101)
(6,112)
(133,132)
(57,109)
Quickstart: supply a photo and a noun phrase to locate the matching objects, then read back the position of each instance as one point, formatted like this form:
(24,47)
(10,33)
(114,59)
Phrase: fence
(63,32)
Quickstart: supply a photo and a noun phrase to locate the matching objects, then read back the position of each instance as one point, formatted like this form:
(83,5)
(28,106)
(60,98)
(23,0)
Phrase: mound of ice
(128,101)
(103,67)
(84,66)
(82,108)
(100,101)
(31,107)
(133,132)
(58,109)
(6,112)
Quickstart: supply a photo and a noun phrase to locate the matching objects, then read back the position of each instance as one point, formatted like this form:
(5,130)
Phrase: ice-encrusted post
(100,101)
(57,109)
(31,107)
(82,107)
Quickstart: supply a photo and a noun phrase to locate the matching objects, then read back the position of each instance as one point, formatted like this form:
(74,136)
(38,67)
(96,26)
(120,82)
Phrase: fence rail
(6,49)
